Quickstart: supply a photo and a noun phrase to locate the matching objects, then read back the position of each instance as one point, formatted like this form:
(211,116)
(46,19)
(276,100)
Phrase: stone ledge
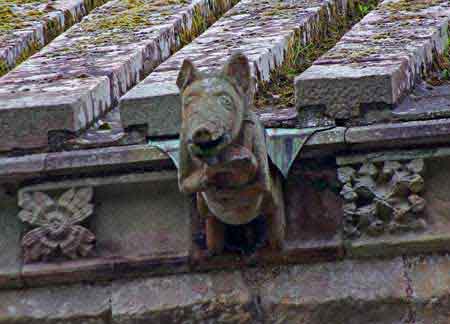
(79,304)
(213,298)
(320,142)
(376,291)
(343,292)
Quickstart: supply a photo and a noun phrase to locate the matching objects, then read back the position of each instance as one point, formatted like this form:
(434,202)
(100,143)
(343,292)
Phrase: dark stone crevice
(412,312)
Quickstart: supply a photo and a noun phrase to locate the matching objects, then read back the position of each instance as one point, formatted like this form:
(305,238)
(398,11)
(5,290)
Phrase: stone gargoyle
(223,156)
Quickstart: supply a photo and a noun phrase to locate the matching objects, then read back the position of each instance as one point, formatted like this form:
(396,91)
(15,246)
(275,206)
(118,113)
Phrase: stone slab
(342,292)
(83,72)
(195,298)
(141,223)
(78,304)
(144,226)
(435,236)
(430,276)
(92,270)
(376,63)
(424,102)
(255,28)
(430,282)
(411,133)
(26,27)
(313,210)
(83,161)
(10,258)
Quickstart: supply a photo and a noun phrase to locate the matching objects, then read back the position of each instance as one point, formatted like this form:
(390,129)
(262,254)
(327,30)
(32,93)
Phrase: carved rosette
(57,231)
(383,197)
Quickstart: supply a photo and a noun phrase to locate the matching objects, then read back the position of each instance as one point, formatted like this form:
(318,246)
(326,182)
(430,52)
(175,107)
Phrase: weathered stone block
(430,276)
(313,211)
(375,64)
(201,298)
(163,109)
(252,27)
(143,225)
(11,229)
(31,25)
(436,311)
(79,304)
(430,282)
(339,89)
(80,75)
(344,292)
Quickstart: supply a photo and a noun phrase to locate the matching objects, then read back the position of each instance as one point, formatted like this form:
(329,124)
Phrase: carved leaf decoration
(383,197)
(79,242)
(57,232)
(35,247)
(33,208)
(77,201)
(416,166)
(38,244)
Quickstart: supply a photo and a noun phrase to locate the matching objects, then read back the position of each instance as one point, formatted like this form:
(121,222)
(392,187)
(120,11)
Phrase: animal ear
(238,69)
(187,75)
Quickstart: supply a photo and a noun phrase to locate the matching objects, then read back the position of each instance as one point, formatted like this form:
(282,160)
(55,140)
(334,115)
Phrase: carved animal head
(214,105)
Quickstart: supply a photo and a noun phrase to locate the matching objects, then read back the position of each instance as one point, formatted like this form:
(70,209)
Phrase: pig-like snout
(202,136)
(207,140)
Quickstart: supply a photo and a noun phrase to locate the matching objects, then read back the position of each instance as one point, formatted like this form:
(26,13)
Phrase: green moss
(279,92)
(32,48)
(16,19)
(440,73)
(134,14)
(9,20)
(410,5)
(19,2)
(200,23)
(280,9)
(3,67)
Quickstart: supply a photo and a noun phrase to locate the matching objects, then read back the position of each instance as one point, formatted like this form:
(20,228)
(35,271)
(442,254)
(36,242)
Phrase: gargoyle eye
(226,101)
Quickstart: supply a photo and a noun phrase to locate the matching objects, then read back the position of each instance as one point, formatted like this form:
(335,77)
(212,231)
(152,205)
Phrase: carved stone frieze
(383,197)
(57,232)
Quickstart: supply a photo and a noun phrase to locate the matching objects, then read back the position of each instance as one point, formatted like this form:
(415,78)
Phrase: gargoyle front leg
(195,182)
(215,229)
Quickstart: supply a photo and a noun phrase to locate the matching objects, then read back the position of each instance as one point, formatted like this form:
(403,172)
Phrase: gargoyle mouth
(210,148)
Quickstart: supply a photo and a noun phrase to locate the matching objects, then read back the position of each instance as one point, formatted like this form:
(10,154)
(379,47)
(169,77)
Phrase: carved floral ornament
(57,231)
(383,197)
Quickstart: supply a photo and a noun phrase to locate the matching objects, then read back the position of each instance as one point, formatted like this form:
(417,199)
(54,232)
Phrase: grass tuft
(279,92)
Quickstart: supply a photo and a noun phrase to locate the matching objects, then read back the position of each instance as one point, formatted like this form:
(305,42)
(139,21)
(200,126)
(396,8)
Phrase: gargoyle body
(223,155)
